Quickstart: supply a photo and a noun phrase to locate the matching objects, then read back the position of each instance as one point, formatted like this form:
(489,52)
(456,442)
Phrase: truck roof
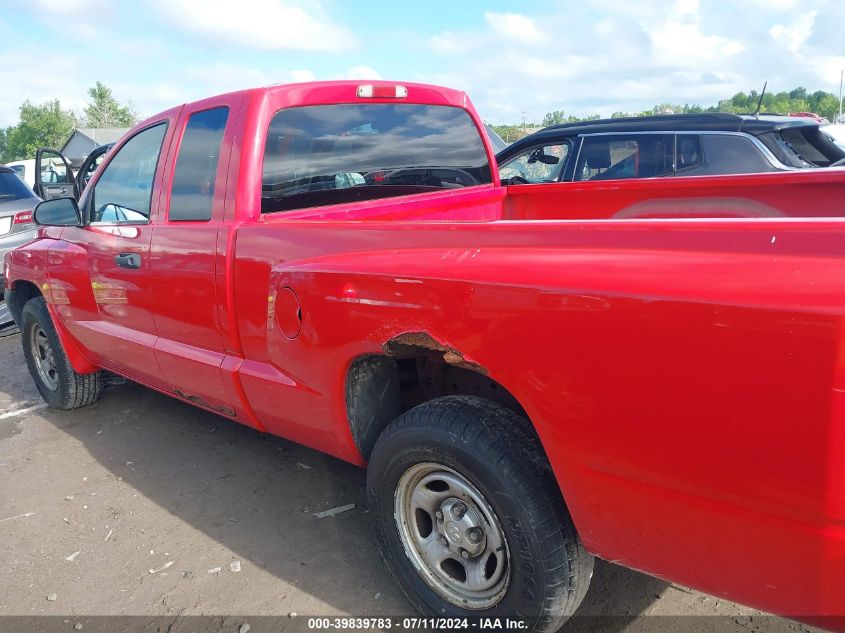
(346,91)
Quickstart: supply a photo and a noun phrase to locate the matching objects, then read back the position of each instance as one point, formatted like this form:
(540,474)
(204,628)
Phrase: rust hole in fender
(405,345)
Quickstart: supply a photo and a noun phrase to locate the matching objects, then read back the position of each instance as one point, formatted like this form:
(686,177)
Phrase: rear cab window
(333,154)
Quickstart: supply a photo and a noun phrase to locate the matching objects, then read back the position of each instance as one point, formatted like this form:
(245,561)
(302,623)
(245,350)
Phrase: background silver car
(16,204)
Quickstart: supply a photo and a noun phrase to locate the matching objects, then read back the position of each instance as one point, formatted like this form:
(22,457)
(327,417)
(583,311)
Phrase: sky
(514,60)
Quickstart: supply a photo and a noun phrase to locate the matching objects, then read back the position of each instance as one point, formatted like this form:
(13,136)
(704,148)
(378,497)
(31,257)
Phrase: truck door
(105,269)
(188,255)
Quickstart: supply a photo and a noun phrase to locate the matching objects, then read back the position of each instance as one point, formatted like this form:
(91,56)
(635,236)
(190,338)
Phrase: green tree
(105,111)
(823,103)
(40,125)
(798,93)
(553,118)
(4,144)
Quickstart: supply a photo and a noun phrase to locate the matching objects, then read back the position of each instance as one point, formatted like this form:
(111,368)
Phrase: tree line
(823,103)
(50,125)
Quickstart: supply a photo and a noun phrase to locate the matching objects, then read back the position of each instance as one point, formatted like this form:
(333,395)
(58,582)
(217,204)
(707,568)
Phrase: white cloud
(362,72)
(796,34)
(679,39)
(687,7)
(596,56)
(81,21)
(451,42)
(614,55)
(302,75)
(261,24)
(778,5)
(20,76)
(514,26)
(679,42)
(70,7)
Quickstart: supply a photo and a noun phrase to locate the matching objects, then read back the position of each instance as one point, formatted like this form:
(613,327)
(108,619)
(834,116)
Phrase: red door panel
(121,334)
(105,268)
(184,256)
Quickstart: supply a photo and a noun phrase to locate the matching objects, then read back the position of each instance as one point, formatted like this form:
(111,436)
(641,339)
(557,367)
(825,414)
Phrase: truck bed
(664,359)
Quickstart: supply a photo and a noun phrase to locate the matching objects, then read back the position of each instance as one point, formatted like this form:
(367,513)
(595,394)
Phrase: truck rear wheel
(57,382)
(469,517)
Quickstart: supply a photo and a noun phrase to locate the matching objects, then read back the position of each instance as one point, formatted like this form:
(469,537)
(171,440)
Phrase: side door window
(123,192)
(537,164)
(613,157)
(689,154)
(723,154)
(194,177)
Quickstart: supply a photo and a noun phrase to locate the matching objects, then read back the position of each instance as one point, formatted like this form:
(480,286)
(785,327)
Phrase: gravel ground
(143,505)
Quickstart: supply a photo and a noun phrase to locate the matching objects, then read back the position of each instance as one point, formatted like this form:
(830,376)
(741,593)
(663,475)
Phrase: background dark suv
(667,145)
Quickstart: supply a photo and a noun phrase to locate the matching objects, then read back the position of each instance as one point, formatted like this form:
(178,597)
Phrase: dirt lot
(143,505)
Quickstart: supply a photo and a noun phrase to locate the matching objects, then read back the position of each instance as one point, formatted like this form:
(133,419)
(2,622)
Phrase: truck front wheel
(57,382)
(469,517)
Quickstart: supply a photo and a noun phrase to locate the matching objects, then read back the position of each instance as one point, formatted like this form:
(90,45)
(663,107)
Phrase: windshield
(318,155)
(12,187)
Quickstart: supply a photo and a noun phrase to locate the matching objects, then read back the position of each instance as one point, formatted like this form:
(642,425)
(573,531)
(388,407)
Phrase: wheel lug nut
(443,541)
(475,534)
(464,553)
(439,515)
(459,510)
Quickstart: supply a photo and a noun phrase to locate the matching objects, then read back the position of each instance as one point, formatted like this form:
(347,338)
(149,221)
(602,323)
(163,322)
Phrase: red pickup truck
(652,372)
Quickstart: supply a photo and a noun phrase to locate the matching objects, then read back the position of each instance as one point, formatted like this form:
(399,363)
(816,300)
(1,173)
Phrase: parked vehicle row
(668,145)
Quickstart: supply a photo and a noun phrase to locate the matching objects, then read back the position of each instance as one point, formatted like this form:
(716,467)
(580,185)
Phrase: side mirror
(541,156)
(58,212)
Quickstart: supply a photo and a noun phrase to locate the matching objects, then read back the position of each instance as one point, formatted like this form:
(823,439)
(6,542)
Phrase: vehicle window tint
(318,155)
(13,188)
(537,164)
(92,166)
(689,153)
(613,157)
(54,171)
(811,145)
(728,154)
(192,193)
(124,190)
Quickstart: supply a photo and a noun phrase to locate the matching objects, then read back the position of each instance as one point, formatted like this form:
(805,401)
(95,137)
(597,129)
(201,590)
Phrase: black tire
(488,445)
(69,390)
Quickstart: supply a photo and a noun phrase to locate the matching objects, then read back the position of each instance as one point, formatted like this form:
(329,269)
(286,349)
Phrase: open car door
(53,175)
(89,166)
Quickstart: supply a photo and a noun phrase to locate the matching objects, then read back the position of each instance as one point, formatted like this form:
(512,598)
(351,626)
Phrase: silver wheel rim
(45,359)
(452,536)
